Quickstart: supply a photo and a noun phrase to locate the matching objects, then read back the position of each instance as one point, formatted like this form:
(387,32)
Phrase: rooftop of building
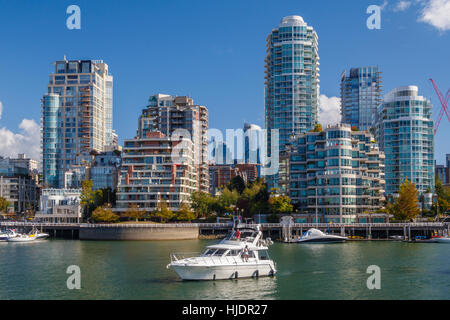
(403,93)
(292,21)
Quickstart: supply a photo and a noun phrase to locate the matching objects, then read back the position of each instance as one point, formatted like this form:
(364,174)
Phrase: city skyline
(238,59)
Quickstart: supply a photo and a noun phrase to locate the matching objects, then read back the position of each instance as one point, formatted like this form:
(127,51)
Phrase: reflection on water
(262,288)
(137,270)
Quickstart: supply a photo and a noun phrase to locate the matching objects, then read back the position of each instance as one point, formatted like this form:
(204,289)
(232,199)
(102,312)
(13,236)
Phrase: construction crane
(444,108)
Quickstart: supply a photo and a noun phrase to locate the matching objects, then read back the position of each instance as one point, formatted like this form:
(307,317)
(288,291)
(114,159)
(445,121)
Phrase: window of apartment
(85,79)
(61,67)
(85,67)
(73,67)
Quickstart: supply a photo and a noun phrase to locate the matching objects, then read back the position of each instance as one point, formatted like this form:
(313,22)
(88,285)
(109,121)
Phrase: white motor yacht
(7,234)
(42,235)
(242,254)
(317,236)
(23,238)
(442,239)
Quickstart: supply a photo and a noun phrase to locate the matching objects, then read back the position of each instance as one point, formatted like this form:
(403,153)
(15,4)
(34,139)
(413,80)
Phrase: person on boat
(238,234)
(246,253)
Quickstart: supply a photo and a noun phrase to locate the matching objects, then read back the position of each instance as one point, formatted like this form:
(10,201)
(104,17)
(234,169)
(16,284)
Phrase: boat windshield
(219,252)
(208,252)
(214,252)
(242,234)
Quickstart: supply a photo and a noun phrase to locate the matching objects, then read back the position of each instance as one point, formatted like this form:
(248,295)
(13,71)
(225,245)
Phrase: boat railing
(183,255)
(205,259)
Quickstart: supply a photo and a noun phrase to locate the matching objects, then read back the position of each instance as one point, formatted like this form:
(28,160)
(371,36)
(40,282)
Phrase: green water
(137,270)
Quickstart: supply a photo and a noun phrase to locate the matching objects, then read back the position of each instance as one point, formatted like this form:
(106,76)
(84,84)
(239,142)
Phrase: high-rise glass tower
(360,96)
(291,81)
(76,116)
(252,143)
(406,127)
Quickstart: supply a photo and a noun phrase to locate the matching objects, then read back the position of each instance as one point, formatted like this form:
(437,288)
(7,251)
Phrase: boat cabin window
(251,254)
(263,255)
(220,252)
(233,253)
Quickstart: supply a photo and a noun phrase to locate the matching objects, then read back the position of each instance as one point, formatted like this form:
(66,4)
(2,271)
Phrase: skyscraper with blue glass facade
(50,141)
(76,117)
(291,81)
(360,96)
(405,130)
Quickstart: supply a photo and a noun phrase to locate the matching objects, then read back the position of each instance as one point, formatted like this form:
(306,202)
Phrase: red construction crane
(443,103)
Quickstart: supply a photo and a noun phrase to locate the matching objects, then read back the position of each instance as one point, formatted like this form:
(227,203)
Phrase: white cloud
(384,5)
(437,14)
(329,110)
(26,141)
(402,6)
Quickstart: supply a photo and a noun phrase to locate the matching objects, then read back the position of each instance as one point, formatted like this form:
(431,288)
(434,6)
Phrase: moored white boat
(227,259)
(442,240)
(7,234)
(23,238)
(317,236)
(42,235)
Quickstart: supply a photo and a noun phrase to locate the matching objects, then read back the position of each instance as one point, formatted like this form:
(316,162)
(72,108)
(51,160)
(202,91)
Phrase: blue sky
(212,51)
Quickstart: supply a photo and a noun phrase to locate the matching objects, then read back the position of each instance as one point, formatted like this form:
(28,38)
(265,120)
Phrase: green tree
(237,183)
(443,198)
(185,213)
(98,198)
(87,197)
(226,201)
(202,203)
(406,205)
(104,214)
(163,211)
(104,196)
(281,204)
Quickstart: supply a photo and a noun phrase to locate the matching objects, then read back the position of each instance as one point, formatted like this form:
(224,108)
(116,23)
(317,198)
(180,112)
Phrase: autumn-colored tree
(163,211)
(133,212)
(406,206)
(3,204)
(443,198)
(281,204)
(317,128)
(104,214)
(185,213)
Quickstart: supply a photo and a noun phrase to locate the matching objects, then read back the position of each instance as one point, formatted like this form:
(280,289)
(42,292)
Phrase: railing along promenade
(284,232)
(264,226)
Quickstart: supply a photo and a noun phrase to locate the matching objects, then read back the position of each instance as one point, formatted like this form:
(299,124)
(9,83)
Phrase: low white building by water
(60,206)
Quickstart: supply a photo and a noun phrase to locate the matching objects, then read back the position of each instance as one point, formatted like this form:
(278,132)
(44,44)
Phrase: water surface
(137,270)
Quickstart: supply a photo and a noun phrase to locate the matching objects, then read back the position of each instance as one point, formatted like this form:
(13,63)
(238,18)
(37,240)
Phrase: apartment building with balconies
(155,169)
(333,175)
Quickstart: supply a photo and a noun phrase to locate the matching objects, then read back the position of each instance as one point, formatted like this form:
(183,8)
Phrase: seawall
(134,232)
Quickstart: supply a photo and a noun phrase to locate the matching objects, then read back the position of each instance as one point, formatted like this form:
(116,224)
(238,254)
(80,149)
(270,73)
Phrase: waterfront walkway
(274,230)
